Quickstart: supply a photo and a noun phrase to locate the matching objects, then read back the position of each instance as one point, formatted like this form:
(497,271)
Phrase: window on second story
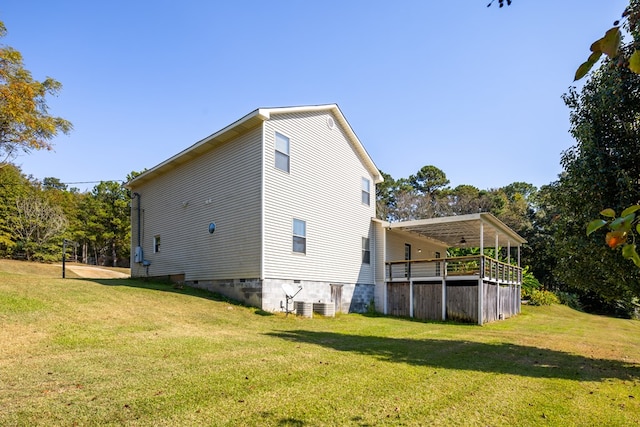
(282,152)
(366,251)
(156,243)
(366,192)
(299,236)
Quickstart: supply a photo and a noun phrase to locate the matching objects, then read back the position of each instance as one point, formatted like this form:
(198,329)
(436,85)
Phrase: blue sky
(475,91)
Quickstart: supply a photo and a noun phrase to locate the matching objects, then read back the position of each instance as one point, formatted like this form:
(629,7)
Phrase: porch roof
(463,230)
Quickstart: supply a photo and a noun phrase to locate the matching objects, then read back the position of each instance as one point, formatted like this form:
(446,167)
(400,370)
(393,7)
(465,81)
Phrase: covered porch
(474,288)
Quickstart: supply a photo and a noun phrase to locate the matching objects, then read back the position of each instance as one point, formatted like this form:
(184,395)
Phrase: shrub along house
(286,196)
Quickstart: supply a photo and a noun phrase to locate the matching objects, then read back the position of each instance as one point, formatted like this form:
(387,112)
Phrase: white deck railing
(475,266)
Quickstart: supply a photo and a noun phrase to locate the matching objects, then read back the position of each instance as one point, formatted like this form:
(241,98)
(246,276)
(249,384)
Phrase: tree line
(426,194)
(37,216)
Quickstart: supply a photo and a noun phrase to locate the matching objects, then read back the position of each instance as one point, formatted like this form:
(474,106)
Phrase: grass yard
(126,352)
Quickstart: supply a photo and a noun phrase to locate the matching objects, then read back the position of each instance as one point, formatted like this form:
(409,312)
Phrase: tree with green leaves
(602,169)
(514,204)
(107,219)
(385,197)
(38,226)
(624,229)
(428,180)
(389,196)
(540,252)
(465,199)
(69,200)
(25,122)
(35,218)
(13,185)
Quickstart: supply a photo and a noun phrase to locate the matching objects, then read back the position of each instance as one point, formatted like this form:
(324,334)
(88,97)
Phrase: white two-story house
(283,195)
(286,196)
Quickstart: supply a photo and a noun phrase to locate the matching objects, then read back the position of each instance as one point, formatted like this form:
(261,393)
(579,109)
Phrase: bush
(371,308)
(569,299)
(627,308)
(529,283)
(537,297)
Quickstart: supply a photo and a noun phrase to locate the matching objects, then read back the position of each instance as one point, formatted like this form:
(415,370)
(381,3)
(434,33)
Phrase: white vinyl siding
(379,243)
(317,189)
(222,185)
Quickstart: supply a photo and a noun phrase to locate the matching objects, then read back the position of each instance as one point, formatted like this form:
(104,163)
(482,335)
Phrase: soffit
(463,230)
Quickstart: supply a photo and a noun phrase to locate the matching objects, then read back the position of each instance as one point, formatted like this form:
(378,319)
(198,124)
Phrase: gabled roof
(247,123)
(463,230)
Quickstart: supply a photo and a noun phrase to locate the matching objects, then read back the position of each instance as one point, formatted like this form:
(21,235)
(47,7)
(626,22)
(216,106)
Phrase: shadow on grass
(501,358)
(165,286)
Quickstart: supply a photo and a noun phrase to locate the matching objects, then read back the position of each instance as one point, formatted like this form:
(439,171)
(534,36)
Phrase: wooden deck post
(480,281)
(410,298)
(444,298)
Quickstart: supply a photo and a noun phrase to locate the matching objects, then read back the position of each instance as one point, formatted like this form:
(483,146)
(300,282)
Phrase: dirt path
(92,272)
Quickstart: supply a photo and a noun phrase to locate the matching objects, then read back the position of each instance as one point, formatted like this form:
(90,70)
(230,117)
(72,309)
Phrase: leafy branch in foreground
(611,45)
(622,231)
(500,2)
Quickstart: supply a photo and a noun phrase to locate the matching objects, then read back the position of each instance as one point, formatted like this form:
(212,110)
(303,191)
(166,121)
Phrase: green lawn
(127,352)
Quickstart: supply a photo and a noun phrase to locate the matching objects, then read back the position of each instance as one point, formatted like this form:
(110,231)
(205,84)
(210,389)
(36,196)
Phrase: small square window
(366,251)
(366,192)
(299,236)
(282,152)
(156,243)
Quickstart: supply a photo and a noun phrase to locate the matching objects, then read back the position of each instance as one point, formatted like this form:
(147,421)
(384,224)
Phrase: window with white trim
(299,236)
(366,192)
(282,152)
(156,243)
(366,251)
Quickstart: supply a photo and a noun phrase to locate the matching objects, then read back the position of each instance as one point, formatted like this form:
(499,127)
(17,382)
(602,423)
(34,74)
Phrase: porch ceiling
(463,230)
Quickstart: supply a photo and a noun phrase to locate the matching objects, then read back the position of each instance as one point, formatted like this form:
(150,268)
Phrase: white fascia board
(502,227)
(382,222)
